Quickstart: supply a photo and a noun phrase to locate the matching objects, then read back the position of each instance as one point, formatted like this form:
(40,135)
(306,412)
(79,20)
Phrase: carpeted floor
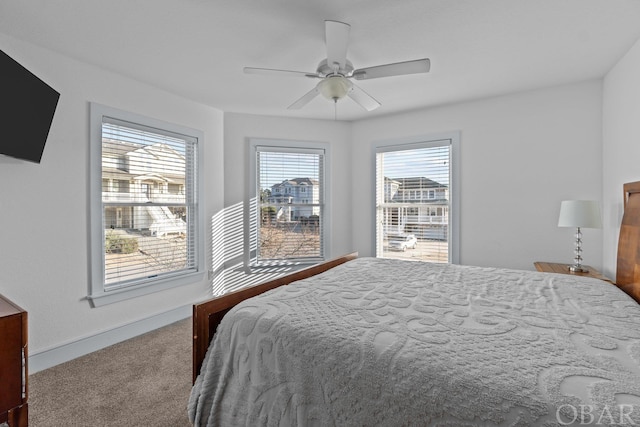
(144,381)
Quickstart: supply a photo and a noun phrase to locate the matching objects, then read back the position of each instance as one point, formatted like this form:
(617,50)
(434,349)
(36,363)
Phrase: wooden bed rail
(208,314)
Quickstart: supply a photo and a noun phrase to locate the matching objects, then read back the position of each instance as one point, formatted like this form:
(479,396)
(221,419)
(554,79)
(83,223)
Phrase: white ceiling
(197,48)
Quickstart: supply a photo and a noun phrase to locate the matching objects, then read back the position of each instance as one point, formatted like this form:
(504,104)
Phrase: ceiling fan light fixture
(334,87)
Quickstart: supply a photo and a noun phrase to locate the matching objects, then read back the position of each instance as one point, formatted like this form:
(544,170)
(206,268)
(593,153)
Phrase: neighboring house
(295,193)
(137,173)
(416,205)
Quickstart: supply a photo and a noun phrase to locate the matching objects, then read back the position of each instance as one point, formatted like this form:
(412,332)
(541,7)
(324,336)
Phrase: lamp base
(577,269)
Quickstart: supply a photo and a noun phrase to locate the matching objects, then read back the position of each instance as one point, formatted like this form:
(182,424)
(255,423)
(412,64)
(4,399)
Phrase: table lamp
(579,213)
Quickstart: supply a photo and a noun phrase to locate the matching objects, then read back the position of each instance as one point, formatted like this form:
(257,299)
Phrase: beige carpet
(144,381)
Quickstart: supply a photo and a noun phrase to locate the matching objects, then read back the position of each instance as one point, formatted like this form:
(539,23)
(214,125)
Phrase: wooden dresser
(13,364)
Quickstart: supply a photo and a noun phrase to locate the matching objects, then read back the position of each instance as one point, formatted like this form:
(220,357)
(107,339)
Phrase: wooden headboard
(628,268)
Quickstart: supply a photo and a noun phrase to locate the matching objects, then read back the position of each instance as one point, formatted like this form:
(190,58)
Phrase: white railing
(167,199)
(120,197)
(425,219)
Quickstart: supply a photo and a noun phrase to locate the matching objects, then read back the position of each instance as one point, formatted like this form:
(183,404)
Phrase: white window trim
(426,141)
(97,294)
(250,200)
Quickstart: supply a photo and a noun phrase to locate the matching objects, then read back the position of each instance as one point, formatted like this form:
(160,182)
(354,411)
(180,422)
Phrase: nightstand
(13,365)
(551,267)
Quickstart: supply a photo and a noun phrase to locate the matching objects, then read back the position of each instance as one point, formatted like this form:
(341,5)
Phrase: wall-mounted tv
(27,105)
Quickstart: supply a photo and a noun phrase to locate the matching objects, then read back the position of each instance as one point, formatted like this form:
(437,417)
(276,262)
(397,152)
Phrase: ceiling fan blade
(337,40)
(271,71)
(304,100)
(363,99)
(397,69)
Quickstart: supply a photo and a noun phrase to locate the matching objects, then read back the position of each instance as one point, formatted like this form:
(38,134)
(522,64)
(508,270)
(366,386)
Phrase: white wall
(239,128)
(521,155)
(621,142)
(44,209)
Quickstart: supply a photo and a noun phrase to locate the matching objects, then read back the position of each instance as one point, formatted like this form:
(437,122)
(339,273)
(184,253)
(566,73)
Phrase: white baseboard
(63,353)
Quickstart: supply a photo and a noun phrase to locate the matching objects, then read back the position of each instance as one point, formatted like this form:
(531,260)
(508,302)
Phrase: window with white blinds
(413,201)
(148,201)
(289,220)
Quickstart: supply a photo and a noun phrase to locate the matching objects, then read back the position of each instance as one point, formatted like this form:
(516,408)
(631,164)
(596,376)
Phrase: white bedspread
(390,343)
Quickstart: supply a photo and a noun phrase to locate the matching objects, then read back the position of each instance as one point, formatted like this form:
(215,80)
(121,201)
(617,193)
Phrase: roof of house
(418,182)
(298,181)
(167,164)
(116,147)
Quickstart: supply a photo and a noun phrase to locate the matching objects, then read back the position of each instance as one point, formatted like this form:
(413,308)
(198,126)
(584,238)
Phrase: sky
(432,163)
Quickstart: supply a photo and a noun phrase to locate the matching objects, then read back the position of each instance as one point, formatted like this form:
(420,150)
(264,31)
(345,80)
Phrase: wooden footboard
(207,315)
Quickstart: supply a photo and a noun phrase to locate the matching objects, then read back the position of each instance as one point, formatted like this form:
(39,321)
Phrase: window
(145,210)
(291,227)
(404,173)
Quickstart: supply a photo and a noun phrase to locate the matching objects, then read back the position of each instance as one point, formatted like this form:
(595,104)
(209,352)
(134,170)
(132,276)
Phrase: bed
(366,341)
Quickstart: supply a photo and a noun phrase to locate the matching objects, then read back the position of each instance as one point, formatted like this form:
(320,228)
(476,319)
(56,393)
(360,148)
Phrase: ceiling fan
(336,71)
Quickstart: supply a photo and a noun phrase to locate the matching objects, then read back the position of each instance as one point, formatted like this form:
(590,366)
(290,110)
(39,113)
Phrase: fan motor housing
(326,69)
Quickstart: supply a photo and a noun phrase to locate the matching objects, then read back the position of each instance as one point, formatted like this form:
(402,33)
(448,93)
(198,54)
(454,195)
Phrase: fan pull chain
(335,109)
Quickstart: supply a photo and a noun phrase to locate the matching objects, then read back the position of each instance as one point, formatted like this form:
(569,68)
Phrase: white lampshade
(580,213)
(334,87)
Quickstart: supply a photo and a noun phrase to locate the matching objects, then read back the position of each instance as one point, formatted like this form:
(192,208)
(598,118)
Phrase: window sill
(116,295)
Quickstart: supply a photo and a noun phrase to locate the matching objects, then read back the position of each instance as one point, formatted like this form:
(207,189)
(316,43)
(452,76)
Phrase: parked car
(401,243)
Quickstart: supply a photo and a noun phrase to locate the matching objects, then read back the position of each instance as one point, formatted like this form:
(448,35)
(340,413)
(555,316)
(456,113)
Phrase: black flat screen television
(27,107)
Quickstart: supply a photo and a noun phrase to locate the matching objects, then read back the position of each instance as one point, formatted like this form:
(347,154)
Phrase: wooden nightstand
(13,365)
(551,267)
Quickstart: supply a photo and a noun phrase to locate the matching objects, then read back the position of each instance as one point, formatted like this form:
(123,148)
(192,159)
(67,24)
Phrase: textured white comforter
(378,342)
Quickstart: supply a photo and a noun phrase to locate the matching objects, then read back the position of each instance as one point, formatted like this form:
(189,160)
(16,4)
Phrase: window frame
(98,295)
(251,201)
(418,142)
